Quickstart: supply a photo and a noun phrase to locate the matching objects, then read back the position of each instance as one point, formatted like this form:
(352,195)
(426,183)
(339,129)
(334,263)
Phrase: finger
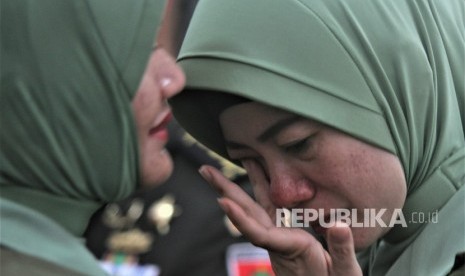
(342,251)
(232,191)
(247,224)
(285,241)
(260,186)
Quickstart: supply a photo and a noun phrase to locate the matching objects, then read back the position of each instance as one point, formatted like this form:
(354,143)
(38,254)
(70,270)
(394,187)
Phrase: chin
(365,237)
(360,246)
(158,170)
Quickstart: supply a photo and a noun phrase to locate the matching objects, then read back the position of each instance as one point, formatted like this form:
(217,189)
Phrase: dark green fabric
(27,264)
(387,72)
(13,263)
(69,70)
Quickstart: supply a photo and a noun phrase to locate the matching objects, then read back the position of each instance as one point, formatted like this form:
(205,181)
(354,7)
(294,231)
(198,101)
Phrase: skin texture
(162,79)
(295,162)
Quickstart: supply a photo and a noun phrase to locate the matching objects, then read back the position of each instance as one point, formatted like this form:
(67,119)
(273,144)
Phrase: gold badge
(161,213)
(114,217)
(132,242)
(127,238)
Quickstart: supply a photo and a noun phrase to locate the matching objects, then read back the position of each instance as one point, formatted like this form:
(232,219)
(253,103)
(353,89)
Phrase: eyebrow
(277,127)
(270,132)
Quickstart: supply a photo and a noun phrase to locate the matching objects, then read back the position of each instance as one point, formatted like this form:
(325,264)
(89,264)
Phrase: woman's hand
(292,251)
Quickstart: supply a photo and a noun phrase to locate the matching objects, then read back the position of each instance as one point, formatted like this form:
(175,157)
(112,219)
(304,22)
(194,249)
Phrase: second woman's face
(162,79)
(312,166)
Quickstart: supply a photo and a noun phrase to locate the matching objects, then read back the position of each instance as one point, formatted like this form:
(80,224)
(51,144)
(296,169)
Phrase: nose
(170,77)
(289,187)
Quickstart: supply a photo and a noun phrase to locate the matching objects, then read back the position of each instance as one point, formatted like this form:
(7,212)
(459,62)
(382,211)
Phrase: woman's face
(162,79)
(310,165)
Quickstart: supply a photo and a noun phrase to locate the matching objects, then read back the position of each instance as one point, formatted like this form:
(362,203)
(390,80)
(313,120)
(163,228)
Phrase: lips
(160,131)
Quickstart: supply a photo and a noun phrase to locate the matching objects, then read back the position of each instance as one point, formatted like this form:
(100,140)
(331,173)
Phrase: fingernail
(205,173)
(340,236)
(222,204)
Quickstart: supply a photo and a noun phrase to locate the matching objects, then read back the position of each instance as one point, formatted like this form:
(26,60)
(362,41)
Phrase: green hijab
(389,73)
(68,141)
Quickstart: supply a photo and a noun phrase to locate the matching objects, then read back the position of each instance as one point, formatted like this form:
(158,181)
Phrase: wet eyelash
(298,146)
(238,160)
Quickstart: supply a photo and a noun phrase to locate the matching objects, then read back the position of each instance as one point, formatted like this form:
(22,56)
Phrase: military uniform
(179,226)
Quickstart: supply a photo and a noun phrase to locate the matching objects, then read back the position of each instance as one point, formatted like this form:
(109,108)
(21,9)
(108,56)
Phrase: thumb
(341,250)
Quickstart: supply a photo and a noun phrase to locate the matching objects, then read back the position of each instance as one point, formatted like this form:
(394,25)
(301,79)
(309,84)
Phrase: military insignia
(131,242)
(126,238)
(230,170)
(161,213)
(124,264)
(127,242)
(114,217)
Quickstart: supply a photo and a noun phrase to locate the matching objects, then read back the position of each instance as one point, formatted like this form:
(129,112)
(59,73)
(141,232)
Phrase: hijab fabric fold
(68,140)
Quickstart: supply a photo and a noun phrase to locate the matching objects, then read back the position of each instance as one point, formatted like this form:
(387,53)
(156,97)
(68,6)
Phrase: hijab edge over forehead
(214,76)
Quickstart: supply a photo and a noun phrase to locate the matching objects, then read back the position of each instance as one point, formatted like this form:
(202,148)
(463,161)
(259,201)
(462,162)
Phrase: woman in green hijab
(336,105)
(83,93)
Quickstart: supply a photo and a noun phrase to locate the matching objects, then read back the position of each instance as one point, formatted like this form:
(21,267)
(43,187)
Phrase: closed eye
(297,147)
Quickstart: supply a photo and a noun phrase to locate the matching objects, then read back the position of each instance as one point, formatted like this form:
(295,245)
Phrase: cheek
(365,237)
(138,108)
(366,177)
(156,168)
(383,178)
(145,105)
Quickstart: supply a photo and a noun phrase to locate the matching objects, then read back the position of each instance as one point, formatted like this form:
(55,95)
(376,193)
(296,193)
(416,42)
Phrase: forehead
(250,117)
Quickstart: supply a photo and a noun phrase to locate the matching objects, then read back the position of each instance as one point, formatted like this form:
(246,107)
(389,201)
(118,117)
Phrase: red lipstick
(160,132)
